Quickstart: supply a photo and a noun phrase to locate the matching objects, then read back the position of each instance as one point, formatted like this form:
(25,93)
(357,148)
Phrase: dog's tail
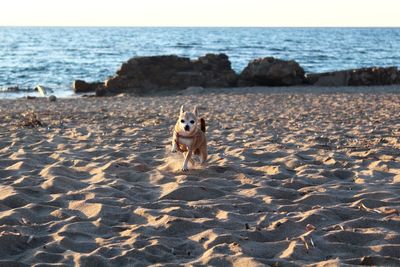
(202,125)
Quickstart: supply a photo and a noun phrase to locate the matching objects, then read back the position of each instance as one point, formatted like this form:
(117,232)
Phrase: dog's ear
(195,111)
(182,110)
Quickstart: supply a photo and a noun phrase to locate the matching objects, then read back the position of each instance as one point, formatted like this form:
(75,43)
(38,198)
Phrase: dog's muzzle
(187,128)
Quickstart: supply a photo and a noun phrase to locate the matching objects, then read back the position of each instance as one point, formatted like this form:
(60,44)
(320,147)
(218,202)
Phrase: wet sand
(295,176)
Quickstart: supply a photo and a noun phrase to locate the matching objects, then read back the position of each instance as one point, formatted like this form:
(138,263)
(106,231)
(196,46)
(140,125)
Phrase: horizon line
(189,26)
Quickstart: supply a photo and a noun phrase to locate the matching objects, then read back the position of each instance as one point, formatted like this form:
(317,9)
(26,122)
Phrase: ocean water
(55,56)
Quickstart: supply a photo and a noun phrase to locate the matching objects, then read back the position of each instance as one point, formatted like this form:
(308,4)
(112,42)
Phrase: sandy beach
(295,176)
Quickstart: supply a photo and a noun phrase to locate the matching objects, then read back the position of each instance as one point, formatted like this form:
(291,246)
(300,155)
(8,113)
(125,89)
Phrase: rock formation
(81,86)
(270,71)
(356,77)
(147,74)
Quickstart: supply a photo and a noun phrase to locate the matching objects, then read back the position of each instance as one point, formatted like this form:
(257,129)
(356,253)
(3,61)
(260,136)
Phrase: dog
(189,137)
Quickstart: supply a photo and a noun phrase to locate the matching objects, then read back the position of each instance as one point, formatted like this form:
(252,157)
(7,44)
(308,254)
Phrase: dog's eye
(192,121)
(183,121)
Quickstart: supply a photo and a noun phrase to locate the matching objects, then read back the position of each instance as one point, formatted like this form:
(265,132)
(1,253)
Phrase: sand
(296,176)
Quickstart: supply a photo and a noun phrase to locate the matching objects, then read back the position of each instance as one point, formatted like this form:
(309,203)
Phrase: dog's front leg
(188,156)
(174,146)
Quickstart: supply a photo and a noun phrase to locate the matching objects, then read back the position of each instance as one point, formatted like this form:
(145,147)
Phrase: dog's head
(187,121)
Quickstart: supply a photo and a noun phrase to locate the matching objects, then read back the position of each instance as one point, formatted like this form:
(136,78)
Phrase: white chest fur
(185,141)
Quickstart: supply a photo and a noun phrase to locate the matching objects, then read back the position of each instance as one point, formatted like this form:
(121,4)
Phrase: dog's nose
(187,128)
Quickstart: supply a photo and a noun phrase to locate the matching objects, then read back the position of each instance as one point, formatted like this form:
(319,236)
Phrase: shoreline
(304,89)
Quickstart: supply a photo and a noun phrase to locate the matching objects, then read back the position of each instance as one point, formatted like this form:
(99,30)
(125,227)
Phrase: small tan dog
(189,137)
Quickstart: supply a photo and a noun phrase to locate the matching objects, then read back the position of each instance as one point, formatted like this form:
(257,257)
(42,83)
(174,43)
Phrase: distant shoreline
(277,90)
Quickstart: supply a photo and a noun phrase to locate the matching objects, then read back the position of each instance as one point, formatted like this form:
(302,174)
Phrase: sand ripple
(293,179)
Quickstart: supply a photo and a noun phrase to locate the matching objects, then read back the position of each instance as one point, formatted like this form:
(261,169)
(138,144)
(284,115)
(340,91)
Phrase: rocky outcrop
(336,78)
(168,73)
(146,74)
(356,77)
(270,71)
(81,86)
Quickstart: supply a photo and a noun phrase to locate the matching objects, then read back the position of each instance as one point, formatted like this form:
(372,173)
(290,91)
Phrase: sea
(56,56)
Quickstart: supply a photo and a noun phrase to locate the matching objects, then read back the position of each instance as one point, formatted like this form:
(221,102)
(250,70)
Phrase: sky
(263,13)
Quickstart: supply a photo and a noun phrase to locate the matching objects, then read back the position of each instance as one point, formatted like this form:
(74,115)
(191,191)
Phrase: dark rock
(88,95)
(52,98)
(217,70)
(12,89)
(337,78)
(101,91)
(146,74)
(374,76)
(356,77)
(81,86)
(272,72)
(16,89)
